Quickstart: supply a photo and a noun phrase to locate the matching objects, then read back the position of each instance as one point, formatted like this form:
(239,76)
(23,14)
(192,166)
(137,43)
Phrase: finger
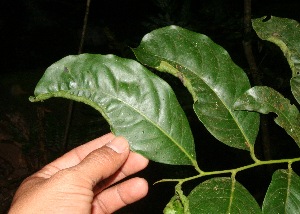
(74,156)
(77,154)
(120,195)
(103,162)
(134,163)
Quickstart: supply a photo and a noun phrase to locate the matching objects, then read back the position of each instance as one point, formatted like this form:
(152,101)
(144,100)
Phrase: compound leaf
(136,103)
(211,77)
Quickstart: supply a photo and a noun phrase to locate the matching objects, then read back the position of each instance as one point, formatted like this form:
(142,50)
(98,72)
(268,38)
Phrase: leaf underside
(222,195)
(137,104)
(211,77)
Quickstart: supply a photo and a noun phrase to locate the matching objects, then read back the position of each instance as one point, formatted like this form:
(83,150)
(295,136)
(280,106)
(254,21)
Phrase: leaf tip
(32,99)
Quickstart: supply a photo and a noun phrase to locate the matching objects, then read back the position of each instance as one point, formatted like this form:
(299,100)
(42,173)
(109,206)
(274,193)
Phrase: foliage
(142,107)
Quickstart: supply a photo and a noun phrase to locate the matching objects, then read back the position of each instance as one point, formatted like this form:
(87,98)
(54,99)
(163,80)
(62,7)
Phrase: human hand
(80,181)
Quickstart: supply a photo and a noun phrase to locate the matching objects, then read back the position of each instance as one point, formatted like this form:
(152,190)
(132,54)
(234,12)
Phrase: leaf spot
(276,34)
(66,69)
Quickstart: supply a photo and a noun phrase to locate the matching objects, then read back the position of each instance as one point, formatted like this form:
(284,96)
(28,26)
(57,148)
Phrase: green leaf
(137,104)
(295,86)
(178,203)
(222,195)
(211,77)
(174,206)
(265,100)
(283,195)
(284,33)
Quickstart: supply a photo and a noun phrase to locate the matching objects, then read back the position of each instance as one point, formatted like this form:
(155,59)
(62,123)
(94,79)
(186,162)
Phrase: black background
(36,33)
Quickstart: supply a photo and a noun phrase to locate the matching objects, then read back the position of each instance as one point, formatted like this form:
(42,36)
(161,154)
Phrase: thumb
(103,162)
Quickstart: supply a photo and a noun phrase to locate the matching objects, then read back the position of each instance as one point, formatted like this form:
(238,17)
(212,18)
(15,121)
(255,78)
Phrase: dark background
(36,33)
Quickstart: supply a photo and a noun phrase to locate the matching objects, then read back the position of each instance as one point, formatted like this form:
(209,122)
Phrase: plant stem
(252,153)
(232,171)
(87,10)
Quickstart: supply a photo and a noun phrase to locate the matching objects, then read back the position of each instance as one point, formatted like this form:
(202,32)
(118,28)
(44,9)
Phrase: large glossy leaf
(284,33)
(283,195)
(222,195)
(137,104)
(265,100)
(209,74)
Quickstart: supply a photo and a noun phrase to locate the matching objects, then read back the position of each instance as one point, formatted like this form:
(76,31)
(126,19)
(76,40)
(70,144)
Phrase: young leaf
(174,206)
(209,74)
(178,203)
(283,195)
(222,195)
(284,33)
(137,104)
(265,100)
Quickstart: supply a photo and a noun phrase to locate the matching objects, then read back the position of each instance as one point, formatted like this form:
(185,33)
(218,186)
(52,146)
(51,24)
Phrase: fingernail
(118,145)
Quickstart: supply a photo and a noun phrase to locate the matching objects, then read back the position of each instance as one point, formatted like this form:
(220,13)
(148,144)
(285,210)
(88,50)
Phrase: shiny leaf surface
(211,77)
(137,104)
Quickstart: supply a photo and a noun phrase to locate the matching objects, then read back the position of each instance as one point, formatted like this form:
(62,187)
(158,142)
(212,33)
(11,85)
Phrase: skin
(81,181)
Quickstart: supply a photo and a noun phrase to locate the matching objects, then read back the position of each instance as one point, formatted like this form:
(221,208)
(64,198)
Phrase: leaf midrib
(88,101)
(239,127)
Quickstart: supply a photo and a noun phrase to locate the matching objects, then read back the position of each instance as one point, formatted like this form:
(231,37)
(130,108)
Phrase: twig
(87,10)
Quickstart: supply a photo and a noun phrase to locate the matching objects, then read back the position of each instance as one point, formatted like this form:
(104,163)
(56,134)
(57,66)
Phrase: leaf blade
(265,100)
(283,195)
(137,104)
(211,77)
(222,195)
(285,34)
(295,86)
